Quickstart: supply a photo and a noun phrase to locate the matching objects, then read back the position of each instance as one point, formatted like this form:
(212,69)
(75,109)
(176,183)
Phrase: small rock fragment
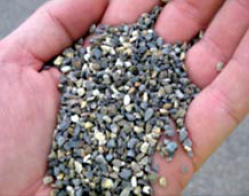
(127,100)
(48,180)
(134,181)
(163,182)
(100,137)
(126,191)
(78,167)
(144,147)
(147,190)
(70,190)
(183,134)
(107,183)
(220,66)
(117,96)
(125,174)
(58,61)
(75,118)
(148,114)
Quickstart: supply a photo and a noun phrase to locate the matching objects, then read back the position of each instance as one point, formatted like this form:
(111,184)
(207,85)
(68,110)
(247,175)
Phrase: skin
(29,97)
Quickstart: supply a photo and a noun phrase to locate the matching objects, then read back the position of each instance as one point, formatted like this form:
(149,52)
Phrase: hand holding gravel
(130,84)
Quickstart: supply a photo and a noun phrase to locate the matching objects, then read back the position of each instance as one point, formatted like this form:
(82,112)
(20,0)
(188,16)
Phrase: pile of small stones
(119,97)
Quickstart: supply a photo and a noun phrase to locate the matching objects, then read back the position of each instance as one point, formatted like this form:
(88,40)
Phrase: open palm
(29,97)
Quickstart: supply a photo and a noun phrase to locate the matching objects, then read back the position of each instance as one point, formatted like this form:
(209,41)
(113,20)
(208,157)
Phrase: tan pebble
(83,104)
(219,66)
(53,193)
(60,176)
(107,183)
(167,106)
(132,90)
(69,53)
(58,61)
(137,191)
(100,137)
(156,131)
(88,125)
(144,147)
(163,182)
(60,153)
(78,167)
(183,56)
(47,180)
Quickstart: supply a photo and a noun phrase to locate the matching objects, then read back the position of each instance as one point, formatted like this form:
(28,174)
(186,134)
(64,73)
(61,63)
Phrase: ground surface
(226,173)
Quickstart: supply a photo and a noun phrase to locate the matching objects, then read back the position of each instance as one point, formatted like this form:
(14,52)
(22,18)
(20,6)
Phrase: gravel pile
(119,97)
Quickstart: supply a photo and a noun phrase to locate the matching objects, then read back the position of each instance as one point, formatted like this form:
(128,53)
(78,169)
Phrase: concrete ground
(226,173)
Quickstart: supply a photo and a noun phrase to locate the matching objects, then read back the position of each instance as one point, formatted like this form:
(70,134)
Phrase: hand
(29,97)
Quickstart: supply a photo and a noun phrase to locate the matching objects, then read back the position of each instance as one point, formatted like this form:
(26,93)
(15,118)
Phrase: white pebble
(134,181)
(144,147)
(75,118)
(147,190)
(81,91)
(78,167)
(87,57)
(100,137)
(96,92)
(87,159)
(65,69)
(119,63)
(138,129)
(70,190)
(127,100)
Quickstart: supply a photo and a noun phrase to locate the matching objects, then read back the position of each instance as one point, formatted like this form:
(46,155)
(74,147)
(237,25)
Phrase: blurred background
(226,173)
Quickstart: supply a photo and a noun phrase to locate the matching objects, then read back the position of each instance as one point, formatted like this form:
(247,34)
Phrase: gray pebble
(131,154)
(125,174)
(109,157)
(188,143)
(155,168)
(79,192)
(61,140)
(132,142)
(148,114)
(111,144)
(126,191)
(183,134)
(171,147)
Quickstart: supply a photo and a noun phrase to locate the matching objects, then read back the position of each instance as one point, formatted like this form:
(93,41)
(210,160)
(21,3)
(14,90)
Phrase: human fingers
(219,42)
(182,19)
(221,106)
(127,11)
